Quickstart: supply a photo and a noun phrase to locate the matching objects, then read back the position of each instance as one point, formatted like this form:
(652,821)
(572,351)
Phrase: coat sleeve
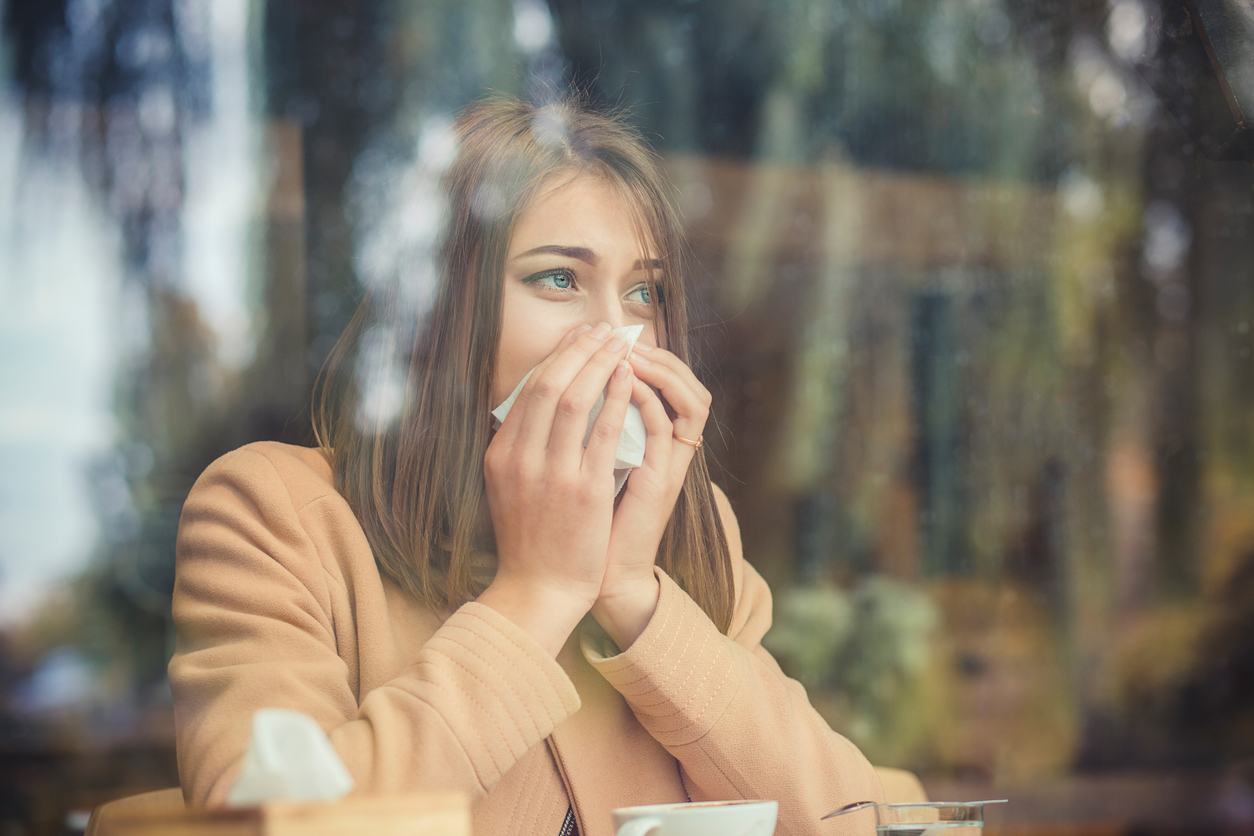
(256,630)
(723,708)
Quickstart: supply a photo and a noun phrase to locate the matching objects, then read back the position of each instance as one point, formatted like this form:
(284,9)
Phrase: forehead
(584,209)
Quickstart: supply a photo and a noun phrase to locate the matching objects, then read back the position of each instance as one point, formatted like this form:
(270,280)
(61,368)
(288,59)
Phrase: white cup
(698,818)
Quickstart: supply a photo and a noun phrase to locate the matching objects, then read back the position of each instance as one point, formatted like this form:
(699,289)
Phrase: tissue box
(428,814)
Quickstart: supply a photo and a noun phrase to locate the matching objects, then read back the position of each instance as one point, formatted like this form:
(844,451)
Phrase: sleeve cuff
(679,676)
(510,674)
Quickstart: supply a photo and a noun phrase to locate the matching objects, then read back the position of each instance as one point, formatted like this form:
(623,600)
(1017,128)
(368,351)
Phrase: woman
(463,608)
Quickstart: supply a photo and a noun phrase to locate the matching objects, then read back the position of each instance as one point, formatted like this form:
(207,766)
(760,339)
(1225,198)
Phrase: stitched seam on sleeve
(470,697)
(496,725)
(546,681)
(435,710)
(636,667)
(696,717)
(670,651)
(504,703)
(682,654)
(521,698)
(622,663)
(677,710)
(710,727)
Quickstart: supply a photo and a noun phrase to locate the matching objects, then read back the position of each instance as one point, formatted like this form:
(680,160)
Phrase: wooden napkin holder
(428,814)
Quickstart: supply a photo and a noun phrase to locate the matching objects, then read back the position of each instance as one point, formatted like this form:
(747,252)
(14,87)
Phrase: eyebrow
(582,254)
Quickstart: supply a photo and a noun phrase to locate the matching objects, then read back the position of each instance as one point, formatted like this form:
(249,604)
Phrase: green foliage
(862,653)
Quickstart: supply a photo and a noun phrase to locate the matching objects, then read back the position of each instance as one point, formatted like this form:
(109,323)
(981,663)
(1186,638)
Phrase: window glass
(974,300)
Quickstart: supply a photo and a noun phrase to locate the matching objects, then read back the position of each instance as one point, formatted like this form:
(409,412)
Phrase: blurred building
(975,309)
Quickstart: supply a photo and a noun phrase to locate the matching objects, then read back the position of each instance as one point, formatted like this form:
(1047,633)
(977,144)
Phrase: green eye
(562,279)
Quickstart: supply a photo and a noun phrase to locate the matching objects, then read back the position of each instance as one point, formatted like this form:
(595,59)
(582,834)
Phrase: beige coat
(278,603)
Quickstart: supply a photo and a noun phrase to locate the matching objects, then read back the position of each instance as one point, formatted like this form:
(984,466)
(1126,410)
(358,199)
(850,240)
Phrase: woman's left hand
(629,591)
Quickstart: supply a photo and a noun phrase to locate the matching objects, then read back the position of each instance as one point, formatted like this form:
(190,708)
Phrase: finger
(655,355)
(659,443)
(685,395)
(538,399)
(508,431)
(570,418)
(602,447)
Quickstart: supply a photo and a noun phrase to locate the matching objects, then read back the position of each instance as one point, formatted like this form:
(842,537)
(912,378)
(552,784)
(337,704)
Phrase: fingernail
(642,347)
(645,360)
(622,370)
(616,344)
(601,331)
(582,329)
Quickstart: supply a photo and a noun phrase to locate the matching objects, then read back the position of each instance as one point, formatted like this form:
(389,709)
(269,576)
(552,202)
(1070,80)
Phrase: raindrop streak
(1167,237)
(533,26)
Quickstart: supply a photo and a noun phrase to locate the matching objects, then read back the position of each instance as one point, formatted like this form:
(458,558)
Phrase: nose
(607,307)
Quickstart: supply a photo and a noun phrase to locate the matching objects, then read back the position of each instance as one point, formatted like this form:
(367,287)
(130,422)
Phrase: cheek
(649,336)
(525,341)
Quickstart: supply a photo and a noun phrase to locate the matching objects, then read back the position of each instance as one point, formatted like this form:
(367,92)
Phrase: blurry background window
(975,295)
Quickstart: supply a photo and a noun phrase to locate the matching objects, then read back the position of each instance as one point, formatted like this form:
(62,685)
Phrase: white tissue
(630,451)
(289,757)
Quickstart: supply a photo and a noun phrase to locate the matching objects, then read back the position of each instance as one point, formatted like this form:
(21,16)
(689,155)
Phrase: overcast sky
(59,282)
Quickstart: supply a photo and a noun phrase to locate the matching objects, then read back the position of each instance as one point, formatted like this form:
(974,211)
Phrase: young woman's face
(573,259)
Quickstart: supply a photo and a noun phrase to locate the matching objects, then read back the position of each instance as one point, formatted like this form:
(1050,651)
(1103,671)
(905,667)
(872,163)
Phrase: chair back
(105,819)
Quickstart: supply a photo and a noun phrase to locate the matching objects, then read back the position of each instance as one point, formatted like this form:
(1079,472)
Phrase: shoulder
(252,526)
(303,474)
(728,517)
(264,494)
(753,596)
(731,528)
(723,503)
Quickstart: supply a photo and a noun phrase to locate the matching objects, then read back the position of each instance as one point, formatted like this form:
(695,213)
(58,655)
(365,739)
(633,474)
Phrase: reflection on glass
(976,315)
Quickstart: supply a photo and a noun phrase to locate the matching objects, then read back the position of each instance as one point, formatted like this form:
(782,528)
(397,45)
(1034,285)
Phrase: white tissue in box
(630,451)
(289,757)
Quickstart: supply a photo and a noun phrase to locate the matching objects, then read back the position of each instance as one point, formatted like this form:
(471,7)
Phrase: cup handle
(641,827)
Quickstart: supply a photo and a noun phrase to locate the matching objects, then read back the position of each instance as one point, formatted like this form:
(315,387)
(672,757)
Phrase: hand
(551,499)
(629,590)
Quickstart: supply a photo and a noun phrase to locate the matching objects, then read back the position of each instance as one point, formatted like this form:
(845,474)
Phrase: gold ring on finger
(695,445)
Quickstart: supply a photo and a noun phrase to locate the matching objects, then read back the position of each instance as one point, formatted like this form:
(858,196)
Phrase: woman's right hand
(552,499)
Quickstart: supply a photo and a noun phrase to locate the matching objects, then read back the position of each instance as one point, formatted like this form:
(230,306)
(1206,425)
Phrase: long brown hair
(414,475)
